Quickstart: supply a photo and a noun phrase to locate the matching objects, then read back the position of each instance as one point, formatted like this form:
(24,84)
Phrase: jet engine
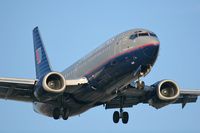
(54,82)
(50,86)
(165,92)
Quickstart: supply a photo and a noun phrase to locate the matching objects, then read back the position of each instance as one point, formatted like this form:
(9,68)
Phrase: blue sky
(70,29)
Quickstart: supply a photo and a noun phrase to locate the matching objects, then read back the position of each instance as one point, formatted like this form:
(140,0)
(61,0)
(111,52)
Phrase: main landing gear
(120,115)
(60,112)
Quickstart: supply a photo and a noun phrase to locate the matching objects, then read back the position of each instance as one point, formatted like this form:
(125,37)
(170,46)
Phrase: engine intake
(54,82)
(167,90)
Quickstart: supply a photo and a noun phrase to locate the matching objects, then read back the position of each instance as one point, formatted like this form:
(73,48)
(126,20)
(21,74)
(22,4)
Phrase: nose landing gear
(139,84)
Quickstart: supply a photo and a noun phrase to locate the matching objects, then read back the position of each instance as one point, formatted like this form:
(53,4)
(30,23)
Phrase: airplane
(109,76)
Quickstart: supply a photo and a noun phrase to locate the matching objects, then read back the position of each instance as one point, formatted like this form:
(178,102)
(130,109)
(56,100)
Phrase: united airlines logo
(38,54)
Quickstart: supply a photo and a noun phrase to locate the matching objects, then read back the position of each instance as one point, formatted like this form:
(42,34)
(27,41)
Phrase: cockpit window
(132,37)
(152,34)
(143,34)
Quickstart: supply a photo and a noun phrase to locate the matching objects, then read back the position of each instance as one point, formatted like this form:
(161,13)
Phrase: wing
(17,89)
(133,96)
(188,96)
(126,99)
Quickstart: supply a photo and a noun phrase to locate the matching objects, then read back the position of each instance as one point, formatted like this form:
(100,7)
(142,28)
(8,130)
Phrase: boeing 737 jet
(110,76)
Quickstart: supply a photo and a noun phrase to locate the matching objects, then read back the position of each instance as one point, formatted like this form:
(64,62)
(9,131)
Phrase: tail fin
(41,59)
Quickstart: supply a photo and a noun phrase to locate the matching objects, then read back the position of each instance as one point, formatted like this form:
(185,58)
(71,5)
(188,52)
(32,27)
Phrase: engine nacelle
(167,91)
(54,82)
(50,86)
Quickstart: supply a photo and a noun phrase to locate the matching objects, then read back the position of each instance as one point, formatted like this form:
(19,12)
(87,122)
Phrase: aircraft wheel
(116,117)
(65,117)
(125,117)
(56,113)
(140,84)
(65,114)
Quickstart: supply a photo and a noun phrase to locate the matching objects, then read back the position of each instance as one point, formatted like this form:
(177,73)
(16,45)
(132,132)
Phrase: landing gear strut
(142,71)
(140,84)
(120,115)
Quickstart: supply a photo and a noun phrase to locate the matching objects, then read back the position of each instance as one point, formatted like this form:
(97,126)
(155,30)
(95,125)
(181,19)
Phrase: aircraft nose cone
(151,51)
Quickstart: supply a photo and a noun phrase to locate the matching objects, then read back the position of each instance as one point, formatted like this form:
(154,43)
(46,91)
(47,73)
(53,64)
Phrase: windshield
(133,36)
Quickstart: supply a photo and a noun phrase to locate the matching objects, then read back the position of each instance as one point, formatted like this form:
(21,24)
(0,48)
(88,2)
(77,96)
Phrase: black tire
(65,117)
(125,117)
(65,114)
(116,117)
(140,85)
(56,113)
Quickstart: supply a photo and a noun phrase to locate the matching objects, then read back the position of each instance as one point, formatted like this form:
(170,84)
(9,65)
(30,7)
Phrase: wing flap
(133,97)
(127,103)
(188,96)
(190,92)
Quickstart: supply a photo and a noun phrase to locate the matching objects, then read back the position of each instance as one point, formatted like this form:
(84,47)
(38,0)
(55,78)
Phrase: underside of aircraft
(110,75)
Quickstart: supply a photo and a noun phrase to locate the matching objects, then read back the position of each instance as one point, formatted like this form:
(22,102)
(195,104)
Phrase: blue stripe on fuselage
(109,74)
(131,54)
